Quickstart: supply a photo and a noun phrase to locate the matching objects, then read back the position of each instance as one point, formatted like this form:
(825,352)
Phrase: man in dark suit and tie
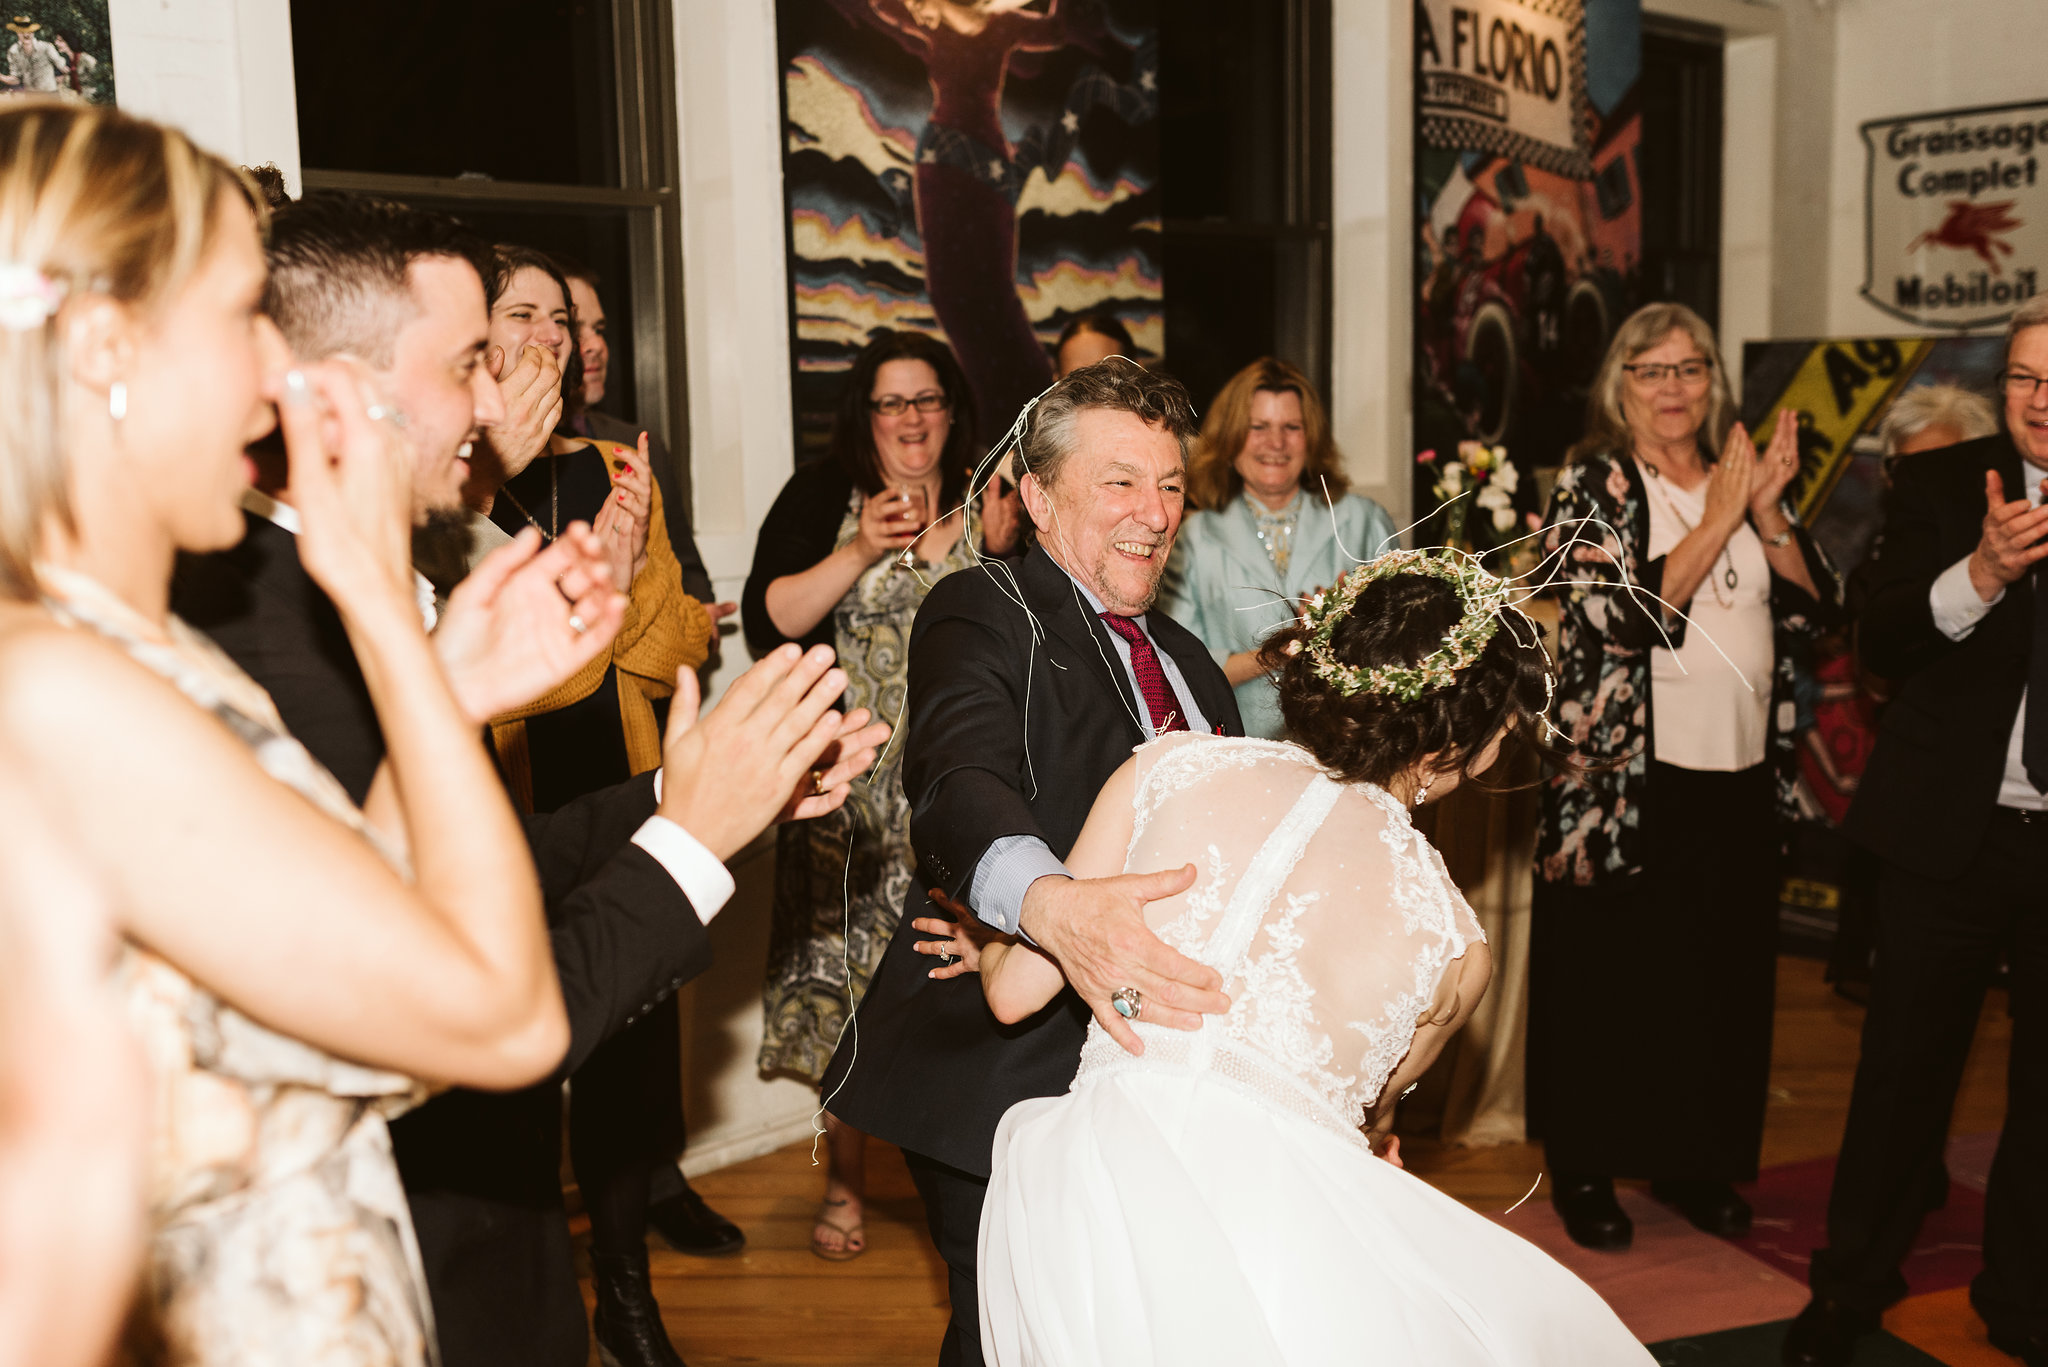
(632,875)
(1027,690)
(1955,805)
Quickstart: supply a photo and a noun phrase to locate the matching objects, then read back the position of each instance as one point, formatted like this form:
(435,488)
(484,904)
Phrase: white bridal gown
(1214,1200)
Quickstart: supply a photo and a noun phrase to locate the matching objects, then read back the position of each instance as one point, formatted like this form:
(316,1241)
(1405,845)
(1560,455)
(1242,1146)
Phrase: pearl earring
(117,400)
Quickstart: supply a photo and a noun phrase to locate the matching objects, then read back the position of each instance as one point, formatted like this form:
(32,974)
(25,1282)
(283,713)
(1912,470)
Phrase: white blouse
(1712,705)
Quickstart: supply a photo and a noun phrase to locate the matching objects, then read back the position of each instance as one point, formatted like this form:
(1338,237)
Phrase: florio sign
(1956,214)
(1507,77)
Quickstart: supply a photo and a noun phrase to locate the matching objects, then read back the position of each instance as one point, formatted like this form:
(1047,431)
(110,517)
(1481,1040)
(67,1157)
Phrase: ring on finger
(1127,1002)
(817,783)
(577,624)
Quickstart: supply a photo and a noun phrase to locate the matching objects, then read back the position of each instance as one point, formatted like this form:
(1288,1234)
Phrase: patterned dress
(840,881)
(280,1231)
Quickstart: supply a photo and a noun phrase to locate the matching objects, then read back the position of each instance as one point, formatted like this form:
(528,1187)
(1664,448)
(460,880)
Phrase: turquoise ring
(1126,1002)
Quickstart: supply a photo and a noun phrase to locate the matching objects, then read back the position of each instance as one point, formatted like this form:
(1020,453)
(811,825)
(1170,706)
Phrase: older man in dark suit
(1027,690)
(1954,804)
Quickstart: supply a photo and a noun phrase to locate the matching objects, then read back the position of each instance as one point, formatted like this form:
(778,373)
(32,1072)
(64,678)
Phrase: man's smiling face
(2026,406)
(1114,507)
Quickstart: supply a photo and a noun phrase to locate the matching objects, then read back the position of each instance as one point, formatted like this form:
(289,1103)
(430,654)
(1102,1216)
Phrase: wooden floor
(778,1304)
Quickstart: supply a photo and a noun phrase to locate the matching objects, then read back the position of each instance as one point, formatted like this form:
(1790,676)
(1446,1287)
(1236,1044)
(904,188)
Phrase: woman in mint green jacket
(1276,522)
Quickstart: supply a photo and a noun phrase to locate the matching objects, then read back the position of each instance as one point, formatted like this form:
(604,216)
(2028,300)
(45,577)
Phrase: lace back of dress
(1330,918)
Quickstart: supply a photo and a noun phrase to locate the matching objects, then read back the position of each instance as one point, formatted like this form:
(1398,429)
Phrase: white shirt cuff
(1011,864)
(697,871)
(1954,603)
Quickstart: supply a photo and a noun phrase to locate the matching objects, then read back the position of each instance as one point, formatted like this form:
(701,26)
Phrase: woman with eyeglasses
(845,557)
(1687,586)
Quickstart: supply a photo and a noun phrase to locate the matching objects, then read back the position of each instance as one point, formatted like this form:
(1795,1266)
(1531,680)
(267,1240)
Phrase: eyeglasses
(1650,375)
(895,405)
(2020,385)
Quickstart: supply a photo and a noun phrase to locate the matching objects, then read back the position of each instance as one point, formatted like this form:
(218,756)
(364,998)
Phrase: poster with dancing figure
(981,170)
(59,47)
(1528,218)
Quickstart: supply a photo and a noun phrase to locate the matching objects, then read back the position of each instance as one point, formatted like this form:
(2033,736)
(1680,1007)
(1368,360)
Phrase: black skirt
(1650,997)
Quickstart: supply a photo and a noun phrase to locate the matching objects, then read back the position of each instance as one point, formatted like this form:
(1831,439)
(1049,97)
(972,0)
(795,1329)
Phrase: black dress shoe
(2031,1349)
(1712,1207)
(1591,1215)
(690,1226)
(1824,1334)
(628,1322)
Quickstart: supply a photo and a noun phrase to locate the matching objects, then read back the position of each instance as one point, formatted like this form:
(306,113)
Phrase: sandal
(852,1238)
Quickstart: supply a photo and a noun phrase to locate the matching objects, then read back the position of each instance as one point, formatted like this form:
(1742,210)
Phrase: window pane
(1222,110)
(510,89)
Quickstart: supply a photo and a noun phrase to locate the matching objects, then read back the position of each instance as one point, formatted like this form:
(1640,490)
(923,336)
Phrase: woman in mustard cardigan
(598,729)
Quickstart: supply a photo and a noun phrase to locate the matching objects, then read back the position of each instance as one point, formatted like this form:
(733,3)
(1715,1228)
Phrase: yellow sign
(1836,391)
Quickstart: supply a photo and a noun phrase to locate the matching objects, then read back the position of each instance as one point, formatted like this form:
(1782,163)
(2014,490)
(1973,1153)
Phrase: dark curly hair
(1373,737)
(853,433)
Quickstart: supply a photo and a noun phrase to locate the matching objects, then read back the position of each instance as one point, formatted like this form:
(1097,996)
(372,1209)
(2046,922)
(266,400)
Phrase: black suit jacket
(481,1170)
(926,1065)
(1932,782)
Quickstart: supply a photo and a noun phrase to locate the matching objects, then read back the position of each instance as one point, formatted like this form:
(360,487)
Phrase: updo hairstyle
(1374,737)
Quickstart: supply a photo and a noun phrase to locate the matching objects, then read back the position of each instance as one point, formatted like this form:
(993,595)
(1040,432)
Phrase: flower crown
(1484,597)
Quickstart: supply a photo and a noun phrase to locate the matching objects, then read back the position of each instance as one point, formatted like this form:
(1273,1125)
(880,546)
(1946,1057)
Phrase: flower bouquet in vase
(1475,494)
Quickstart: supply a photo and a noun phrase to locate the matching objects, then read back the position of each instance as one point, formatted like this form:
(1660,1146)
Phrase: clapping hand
(2011,541)
(1776,468)
(351,481)
(622,524)
(526,620)
(772,749)
(1732,484)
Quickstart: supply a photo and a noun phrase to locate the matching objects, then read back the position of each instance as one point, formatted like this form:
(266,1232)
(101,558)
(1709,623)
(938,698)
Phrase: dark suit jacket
(926,1065)
(481,1170)
(1933,779)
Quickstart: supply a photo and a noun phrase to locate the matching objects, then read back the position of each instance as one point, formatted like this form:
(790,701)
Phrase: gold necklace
(1727,556)
(553,529)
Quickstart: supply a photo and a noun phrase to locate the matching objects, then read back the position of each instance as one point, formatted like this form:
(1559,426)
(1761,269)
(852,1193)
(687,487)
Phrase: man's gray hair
(1930,405)
(1116,384)
(2032,314)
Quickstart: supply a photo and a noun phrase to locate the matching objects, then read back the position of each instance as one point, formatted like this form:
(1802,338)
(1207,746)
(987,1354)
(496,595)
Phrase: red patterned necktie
(1159,699)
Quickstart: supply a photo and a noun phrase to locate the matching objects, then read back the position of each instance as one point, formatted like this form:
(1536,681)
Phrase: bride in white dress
(1216,1200)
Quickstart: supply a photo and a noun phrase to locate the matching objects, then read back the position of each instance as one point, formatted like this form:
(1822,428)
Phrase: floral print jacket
(1609,621)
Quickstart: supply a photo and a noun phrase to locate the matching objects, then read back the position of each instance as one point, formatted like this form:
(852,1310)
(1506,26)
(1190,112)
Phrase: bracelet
(1782,539)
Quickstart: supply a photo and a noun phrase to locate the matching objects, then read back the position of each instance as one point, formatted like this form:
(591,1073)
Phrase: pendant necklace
(553,529)
(1727,556)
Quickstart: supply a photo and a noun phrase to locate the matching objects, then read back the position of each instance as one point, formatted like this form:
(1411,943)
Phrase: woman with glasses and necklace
(1686,585)
(846,555)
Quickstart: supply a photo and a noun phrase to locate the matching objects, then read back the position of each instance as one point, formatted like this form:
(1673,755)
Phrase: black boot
(1591,1215)
(628,1322)
(690,1226)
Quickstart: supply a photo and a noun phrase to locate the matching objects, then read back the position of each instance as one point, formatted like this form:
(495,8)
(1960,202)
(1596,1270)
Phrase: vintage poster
(59,47)
(1956,214)
(983,171)
(1841,388)
(1528,238)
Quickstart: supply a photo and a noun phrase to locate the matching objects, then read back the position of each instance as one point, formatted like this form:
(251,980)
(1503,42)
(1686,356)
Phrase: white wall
(1372,242)
(221,70)
(742,449)
(1899,57)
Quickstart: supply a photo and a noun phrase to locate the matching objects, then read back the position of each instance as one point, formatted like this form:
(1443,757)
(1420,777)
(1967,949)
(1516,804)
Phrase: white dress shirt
(1957,609)
(697,871)
(1012,863)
